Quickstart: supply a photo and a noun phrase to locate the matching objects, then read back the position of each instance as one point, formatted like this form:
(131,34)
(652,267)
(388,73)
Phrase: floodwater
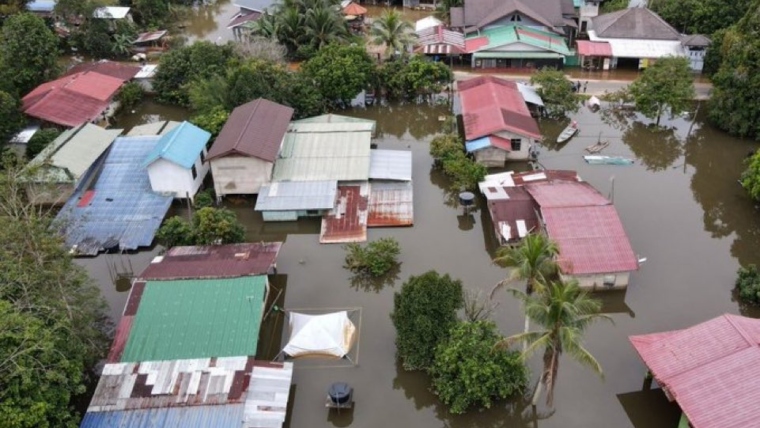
(680,204)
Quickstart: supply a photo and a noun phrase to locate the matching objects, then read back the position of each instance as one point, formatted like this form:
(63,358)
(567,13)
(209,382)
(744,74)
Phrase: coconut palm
(392,31)
(564,312)
(531,261)
(324,25)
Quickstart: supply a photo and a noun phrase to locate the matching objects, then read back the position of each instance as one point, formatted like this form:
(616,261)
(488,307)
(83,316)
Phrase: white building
(177,163)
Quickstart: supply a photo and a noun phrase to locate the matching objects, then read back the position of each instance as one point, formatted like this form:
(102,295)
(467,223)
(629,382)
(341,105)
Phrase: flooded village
(647,213)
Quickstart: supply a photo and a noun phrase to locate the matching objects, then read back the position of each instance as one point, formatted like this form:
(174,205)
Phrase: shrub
(469,370)
(448,152)
(130,95)
(204,199)
(210,226)
(424,311)
(374,260)
(748,283)
(175,231)
(445,146)
(212,121)
(40,140)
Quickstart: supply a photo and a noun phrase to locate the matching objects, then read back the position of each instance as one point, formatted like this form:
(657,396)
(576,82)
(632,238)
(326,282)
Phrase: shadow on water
(405,121)
(650,408)
(657,148)
(363,282)
(149,111)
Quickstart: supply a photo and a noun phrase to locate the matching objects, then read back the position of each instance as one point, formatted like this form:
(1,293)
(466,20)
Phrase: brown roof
(634,23)
(254,129)
(109,68)
(519,206)
(479,13)
(214,261)
(696,40)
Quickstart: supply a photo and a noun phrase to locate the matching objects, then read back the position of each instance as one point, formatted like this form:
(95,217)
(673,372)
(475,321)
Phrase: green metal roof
(516,55)
(510,34)
(197,319)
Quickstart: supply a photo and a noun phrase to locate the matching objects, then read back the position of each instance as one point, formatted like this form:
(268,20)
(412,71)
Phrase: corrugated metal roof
(182,145)
(123,207)
(477,144)
(150,36)
(242,18)
(206,393)
(297,195)
(153,128)
(148,71)
(258,5)
(514,215)
(591,239)
(68,157)
(324,155)
(347,222)
(634,23)
(589,48)
(566,194)
(529,94)
(546,175)
(709,369)
(333,118)
(26,134)
(214,261)
(390,165)
(491,105)
(115,69)
(390,204)
(111,12)
(196,319)
(254,129)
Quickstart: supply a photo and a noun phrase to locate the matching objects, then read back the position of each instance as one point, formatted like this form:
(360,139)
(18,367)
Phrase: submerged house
(177,164)
(67,163)
(248,11)
(243,155)
(497,123)
(709,369)
(516,46)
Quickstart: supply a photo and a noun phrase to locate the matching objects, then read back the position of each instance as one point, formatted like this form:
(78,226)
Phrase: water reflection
(149,111)
(656,147)
(363,282)
(405,121)
(650,408)
(203,21)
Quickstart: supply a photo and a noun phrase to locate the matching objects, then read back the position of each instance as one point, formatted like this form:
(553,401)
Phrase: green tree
(11,118)
(564,312)
(375,259)
(733,104)
(448,152)
(713,57)
(701,16)
(469,370)
(556,92)
(151,13)
(52,317)
(178,67)
(533,261)
(130,95)
(392,31)
(340,72)
(28,52)
(40,140)
(217,226)
(175,232)
(748,284)
(668,85)
(408,78)
(610,6)
(424,311)
(212,121)
(323,26)
(12,7)
(442,10)
(750,179)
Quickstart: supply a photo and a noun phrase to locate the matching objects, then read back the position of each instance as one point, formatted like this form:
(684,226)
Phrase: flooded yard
(681,207)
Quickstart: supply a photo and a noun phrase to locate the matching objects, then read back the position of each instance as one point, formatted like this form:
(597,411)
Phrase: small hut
(354,14)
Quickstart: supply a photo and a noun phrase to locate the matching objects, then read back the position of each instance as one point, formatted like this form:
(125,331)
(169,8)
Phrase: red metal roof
(150,36)
(390,204)
(591,239)
(566,194)
(354,9)
(528,177)
(214,261)
(491,105)
(588,48)
(347,222)
(254,129)
(710,369)
(73,99)
(118,70)
(519,206)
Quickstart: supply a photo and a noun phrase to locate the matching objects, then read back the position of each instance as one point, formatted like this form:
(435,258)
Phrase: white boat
(568,133)
(607,160)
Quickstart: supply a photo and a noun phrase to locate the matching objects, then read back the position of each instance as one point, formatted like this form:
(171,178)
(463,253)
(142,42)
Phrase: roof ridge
(740,330)
(172,137)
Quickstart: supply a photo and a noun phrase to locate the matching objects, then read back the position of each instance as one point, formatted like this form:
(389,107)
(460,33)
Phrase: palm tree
(324,25)
(531,261)
(564,312)
(392,31)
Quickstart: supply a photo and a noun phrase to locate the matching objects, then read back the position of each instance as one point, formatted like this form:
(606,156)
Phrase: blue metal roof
(182,145)
(220,416)
(480,143)
(120,206)
(41,6)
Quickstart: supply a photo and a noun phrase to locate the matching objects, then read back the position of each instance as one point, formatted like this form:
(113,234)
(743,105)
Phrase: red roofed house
(73,99)
(242,156)
(497,123)
(710,369)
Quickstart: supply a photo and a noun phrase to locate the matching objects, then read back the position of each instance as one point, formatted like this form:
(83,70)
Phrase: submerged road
(595,86)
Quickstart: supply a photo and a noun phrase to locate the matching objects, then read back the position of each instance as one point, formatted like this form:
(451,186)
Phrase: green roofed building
(198,318)
(516,46)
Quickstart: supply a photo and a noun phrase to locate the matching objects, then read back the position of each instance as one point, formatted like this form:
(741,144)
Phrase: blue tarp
(480,143)
(122,208)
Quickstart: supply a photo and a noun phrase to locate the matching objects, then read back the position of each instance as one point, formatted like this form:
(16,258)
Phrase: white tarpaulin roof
(429,22)
(640,48)
(328,335)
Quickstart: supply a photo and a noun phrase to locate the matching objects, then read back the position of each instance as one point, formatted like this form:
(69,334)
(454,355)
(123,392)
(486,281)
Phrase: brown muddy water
(680,204)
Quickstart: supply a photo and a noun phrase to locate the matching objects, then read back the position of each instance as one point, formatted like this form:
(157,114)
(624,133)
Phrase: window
(516,144)
(195,172)
(203,156)
(516,18)
(609,280)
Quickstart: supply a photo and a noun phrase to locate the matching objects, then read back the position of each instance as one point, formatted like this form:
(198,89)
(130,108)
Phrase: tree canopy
(665,86)
(532,261)
(733,104)
(209,226)
(701,16)
(751,176)
(424,311)
(11,118)
(556,92)
(28,52)
(340,72)
(469,370)
(392,31)
(408,77)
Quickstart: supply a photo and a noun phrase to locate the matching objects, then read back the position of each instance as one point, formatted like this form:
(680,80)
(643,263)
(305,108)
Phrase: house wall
(167,177)
(696,58)
(491,157)
(290,215)
(524,152)
(597,282)
(240,175)
(588,10)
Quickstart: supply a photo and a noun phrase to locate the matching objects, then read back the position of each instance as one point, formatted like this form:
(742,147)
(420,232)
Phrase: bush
(340,72)
(748,283)
(174,232)
(445,146)
(448,151)
(409,77)
(424,311)
(750,178)
(39,141)
(210,226)
(469,370)
(556,92)
(130,95)
(212,121)
(374,260)
(204,199)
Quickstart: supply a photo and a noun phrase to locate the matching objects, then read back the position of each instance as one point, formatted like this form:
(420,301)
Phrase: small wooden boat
(598,147)
(568,133)
(607,160)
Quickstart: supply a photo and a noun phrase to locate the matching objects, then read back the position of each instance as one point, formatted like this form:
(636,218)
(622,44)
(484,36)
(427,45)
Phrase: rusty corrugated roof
(115,69)
(390,204)
(214,261)
(347,222)
(709,369)
(518,206)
